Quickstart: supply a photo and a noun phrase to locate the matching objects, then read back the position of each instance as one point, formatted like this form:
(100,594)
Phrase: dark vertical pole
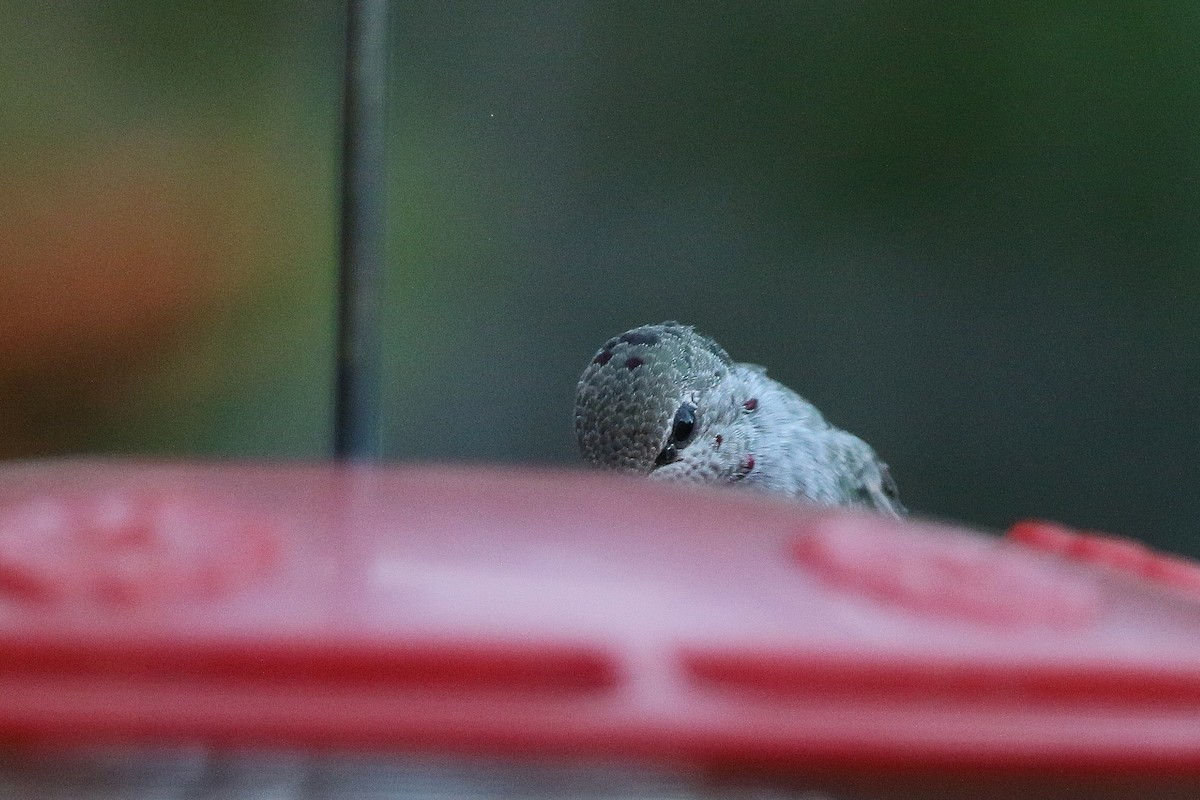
(356,426)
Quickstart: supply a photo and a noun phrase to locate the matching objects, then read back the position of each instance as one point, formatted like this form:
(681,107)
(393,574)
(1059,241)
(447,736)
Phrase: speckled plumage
(653,382)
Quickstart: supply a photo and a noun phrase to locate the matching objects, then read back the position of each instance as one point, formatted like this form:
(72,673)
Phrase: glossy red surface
(474,611)
(1117,554)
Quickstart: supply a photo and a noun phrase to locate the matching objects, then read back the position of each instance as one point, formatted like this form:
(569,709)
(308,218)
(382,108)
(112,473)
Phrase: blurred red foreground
(493,611)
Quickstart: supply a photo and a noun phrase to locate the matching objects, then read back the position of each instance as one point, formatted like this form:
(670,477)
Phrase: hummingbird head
(639,404)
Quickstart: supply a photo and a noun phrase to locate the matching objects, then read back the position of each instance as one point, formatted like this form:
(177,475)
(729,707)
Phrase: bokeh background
(968,234)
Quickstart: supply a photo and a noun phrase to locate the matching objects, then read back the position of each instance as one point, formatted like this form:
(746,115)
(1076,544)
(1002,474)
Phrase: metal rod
(356,403)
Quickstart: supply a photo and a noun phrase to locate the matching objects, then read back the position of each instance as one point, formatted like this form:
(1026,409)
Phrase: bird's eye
(667,456)
(681,430)
(685,421)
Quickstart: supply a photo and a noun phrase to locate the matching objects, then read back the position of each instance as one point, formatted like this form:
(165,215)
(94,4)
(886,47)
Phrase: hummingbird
(668,402)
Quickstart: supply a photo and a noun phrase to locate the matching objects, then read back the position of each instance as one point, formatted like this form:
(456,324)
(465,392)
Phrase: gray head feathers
(665,401)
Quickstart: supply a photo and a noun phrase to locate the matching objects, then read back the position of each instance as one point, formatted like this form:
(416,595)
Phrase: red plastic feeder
(568,617)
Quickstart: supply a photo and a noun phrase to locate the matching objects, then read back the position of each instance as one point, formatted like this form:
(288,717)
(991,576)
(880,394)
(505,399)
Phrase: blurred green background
(968,234)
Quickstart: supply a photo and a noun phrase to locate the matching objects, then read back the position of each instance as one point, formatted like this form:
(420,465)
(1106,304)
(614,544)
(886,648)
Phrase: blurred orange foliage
(107,257)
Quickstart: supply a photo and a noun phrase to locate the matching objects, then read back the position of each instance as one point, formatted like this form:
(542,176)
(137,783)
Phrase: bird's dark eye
(667,456)
(685,421)
(681,431)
